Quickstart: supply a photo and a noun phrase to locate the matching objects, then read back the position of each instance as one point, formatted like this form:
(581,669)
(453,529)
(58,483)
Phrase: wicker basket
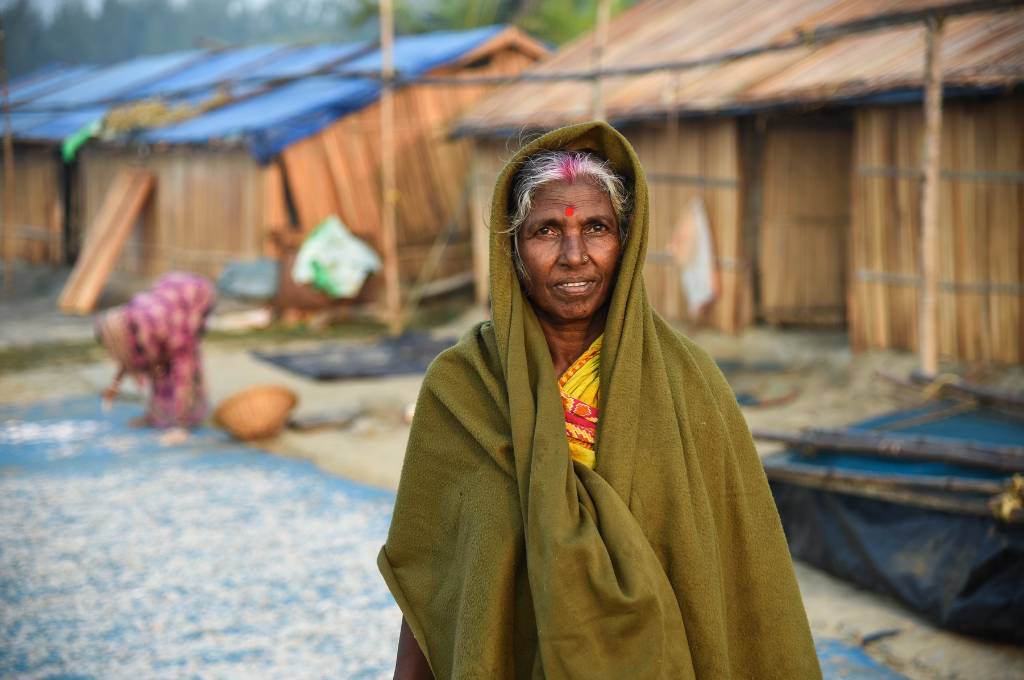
(256,412)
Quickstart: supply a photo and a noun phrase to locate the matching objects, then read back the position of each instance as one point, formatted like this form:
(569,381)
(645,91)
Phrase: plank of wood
(104,241)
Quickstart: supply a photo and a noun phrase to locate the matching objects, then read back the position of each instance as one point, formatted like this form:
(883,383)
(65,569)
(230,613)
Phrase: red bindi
(569,210)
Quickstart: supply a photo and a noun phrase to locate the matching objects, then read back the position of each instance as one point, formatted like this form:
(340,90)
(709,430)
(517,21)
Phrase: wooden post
(481,234)
(928,327)
(389,192)
(8,190)
(675,192)
(604,11)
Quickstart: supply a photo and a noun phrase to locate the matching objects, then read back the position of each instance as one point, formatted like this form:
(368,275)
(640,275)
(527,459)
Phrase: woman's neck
(568,340)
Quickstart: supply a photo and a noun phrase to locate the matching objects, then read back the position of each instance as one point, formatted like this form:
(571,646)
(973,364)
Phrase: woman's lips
(573,288)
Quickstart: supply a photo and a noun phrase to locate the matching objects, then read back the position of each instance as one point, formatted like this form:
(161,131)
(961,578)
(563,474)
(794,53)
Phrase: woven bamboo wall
(338,170)
(37,217)
(489,157)
(804,222)
(981,229)
(685,160)
(207,208)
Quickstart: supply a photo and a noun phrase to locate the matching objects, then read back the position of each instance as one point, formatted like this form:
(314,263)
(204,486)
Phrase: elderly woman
(155,337)
(581,496)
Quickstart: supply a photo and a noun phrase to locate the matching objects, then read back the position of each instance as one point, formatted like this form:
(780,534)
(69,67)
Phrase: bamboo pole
(934,449)
(891,494)
(8,190)
(604,12)
(946,484)
(389,192)
(929,318)
(986,396)
(479,231)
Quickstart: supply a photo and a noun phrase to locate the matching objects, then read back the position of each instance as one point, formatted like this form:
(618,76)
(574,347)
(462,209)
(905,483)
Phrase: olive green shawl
(665,561)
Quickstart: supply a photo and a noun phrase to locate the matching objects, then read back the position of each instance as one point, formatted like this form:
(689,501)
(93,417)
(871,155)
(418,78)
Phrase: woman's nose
(574,252)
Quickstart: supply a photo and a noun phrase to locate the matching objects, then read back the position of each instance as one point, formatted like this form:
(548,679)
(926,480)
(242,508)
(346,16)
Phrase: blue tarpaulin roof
(216,68)
(117,81)
(280,94)
(45,81)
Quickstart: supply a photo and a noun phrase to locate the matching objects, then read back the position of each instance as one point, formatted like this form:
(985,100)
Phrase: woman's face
(570,249)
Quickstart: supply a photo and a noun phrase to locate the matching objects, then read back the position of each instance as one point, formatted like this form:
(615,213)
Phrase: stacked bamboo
(37,216)
(981,230)
(804,222)
(685,160)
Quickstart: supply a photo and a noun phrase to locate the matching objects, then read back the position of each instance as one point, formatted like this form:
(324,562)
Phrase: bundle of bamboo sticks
(991,483)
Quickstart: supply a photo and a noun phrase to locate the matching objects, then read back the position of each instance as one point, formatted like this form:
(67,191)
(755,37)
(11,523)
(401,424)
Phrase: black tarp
(965,573)
(410,352)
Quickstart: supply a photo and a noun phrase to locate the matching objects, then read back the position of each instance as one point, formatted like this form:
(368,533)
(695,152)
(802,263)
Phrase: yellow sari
(580,389)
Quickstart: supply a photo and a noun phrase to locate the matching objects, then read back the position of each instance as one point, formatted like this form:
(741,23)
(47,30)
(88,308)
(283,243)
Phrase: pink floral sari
(165,326)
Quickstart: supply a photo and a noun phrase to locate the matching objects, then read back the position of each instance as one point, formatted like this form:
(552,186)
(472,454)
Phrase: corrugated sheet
(276,100)
(979,51)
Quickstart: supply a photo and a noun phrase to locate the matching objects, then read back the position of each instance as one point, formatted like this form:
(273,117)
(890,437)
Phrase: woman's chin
(572,312)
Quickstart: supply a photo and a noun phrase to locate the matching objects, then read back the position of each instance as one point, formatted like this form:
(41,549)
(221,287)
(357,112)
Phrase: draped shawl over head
(667,560)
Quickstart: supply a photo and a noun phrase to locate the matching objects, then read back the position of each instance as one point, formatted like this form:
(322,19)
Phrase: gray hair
(545,167)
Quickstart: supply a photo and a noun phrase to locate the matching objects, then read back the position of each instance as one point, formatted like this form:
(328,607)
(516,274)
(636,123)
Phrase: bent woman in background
(155,337)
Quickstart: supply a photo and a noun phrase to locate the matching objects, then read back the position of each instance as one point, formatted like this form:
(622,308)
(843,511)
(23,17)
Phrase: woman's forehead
(559,195)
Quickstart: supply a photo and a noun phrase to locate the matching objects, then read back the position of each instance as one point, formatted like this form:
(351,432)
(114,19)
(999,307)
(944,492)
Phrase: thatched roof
(980,51)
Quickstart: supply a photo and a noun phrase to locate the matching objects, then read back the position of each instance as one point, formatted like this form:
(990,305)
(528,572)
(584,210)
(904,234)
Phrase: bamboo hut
(35,233)
(247,142)
(36,218)
(807,156)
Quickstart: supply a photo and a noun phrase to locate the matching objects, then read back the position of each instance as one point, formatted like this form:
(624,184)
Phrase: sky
(49,7)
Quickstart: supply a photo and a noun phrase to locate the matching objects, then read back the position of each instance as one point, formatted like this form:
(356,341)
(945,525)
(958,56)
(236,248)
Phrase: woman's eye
(544,231)
(599,227)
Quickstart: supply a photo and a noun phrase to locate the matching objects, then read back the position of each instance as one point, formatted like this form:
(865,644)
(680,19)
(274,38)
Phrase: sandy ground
(831,387)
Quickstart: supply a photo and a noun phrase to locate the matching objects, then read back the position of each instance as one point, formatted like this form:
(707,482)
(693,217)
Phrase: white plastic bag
(693,249)
(334,260)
